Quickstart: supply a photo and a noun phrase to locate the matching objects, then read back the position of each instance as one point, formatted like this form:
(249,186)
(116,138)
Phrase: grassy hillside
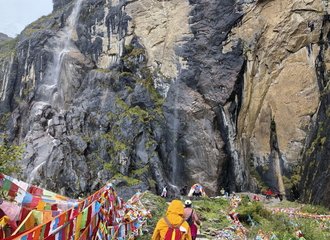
(267,218)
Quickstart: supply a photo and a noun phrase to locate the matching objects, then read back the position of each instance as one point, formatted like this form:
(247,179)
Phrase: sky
(15,15)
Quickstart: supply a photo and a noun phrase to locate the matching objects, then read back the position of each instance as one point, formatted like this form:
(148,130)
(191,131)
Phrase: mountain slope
(151,93)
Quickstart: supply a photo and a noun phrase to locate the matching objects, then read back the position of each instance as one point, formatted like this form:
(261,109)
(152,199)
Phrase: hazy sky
(15,15)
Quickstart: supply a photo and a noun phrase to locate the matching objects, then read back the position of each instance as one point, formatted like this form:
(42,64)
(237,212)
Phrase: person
(7,226)
(278,195)
(227,192)
(192,218)
(164,192)
(197,191)
(222,192)
(233,215)
(174,215)
(183,191)
(269,193)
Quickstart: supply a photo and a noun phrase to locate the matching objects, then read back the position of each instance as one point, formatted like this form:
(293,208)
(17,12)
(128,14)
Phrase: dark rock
(57,4)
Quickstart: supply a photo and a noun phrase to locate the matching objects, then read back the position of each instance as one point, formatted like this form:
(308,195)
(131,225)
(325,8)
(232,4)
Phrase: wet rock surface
(228,94)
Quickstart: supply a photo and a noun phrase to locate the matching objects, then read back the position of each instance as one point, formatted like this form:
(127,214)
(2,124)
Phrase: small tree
(9,156)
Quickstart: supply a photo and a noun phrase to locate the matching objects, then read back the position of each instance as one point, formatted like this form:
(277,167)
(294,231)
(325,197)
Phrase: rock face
(315,178)
(281,92)
(169,92)
(57,4)
(281,87)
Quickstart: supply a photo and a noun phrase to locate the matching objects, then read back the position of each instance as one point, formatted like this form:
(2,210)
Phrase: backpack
(190,219)
(173,231)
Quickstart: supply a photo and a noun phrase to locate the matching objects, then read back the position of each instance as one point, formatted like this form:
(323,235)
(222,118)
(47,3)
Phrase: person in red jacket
(269,193)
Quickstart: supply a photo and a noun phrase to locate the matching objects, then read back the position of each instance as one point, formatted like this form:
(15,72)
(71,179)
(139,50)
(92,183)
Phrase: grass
(280,224)
(7,47)
(157,206)
(213,214)
(314,209)
(129,180)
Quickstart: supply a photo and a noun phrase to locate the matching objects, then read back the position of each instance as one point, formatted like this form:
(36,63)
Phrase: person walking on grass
(164,192)
(192,218)
(173,225)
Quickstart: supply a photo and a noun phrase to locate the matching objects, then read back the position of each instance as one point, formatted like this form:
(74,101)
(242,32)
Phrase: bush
(255,210)
(9,156)
(212,212)
(314,209)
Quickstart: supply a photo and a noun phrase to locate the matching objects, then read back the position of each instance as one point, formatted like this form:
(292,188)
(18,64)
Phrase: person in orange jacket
(174,215)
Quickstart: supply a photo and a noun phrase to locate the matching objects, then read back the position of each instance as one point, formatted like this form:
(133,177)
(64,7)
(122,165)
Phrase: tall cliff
(283,42)
(154,92)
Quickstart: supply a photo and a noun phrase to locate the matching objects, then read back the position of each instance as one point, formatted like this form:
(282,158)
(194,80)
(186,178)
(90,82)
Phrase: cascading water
(50,93)
(175,129)
(6,69)
(230,129)
(51,90)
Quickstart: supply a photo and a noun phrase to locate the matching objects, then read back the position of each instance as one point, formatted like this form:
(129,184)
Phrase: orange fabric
(41,205)
(175,216)
(37,234)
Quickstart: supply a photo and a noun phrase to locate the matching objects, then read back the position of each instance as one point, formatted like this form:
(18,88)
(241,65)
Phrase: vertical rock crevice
(314,187)
(206,85)
(276,161)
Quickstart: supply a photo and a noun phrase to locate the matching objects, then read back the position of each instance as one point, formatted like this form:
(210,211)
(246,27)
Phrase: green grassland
(254,216)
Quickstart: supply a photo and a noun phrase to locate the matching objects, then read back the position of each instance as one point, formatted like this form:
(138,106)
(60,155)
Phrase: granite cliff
(154,92)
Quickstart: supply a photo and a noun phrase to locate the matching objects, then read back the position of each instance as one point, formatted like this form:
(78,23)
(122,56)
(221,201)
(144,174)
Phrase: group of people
(196,190)
(180,222)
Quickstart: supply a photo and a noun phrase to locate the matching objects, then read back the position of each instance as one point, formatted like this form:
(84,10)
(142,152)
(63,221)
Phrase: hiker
(227,192)
(269,193)
(164,192)
(172,223)
(6,227)
(192,218)
(183,191)
(222,192)
(278,195)
(197,191)
(233,215)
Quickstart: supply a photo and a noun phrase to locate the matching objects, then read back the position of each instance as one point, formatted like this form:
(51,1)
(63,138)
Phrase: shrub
(255,210)
(9,156)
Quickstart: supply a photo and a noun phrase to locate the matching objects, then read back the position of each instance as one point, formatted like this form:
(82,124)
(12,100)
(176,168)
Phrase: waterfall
(34,172)
(51,90)
(278,174)
(175,128)
(7,70)
(230,128)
